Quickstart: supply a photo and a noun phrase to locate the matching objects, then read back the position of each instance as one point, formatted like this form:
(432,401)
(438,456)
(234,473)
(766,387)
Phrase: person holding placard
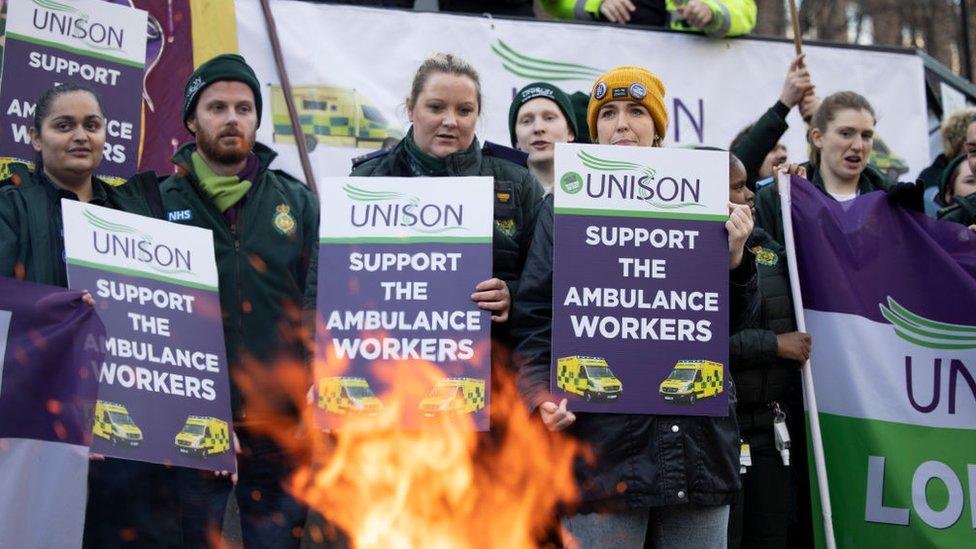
(541,115)
(669,478)
(68,136)
(443,107)
(265,229)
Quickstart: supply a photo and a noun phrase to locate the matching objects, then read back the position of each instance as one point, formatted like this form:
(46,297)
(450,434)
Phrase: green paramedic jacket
(266,264)
(729,17)
(31,243)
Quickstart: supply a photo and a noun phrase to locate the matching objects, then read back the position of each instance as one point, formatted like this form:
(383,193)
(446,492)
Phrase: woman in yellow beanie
(627,108)
(671,478)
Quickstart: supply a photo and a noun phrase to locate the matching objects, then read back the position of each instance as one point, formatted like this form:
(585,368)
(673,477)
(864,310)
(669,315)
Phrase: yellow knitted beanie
(629,83)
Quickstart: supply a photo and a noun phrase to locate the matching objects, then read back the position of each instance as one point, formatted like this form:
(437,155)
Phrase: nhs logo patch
(179,215)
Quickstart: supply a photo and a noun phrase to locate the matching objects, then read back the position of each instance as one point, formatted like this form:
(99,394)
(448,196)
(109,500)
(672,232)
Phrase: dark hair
(43,108)
(829,108)
(737,140)
(733,159)
(444,63)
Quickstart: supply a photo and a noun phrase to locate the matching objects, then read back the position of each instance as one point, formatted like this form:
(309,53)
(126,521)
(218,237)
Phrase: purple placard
(429,374)
(161,404)
(29,69)
(587,339)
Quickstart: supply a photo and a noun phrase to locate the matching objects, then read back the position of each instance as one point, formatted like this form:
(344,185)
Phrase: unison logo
(68,21)
(609,179)
(925,332)
(115,240)
(393,209)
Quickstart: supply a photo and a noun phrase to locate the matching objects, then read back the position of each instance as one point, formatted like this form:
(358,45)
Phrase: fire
(438,485)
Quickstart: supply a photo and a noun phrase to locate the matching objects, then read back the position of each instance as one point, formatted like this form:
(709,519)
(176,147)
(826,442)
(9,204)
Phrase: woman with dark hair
(68,136)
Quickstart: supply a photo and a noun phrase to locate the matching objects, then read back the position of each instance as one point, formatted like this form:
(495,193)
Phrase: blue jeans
(671,527)
(270,516)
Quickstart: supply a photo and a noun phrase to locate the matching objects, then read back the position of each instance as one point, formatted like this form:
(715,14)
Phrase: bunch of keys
(781,434)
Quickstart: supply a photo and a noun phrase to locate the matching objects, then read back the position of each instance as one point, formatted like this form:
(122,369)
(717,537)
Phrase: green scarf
(224,190)
(421,163)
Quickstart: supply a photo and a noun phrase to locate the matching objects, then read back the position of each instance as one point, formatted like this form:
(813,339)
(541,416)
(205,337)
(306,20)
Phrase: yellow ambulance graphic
(203,436)
(691,380)
(343,395)
(454,395)
(588,377)
(112,422)
(339,117)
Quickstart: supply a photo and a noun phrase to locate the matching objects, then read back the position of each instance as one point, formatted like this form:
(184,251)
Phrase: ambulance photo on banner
(398,261)
(640,280)
(164,390)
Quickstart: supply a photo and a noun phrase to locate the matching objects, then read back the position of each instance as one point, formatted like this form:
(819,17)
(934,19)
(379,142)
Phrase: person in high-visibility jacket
(717,18)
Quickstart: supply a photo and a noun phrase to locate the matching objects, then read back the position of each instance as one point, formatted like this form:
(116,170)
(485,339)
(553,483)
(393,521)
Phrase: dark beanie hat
(580,101)
(228,66)
(541,89)
(945,180)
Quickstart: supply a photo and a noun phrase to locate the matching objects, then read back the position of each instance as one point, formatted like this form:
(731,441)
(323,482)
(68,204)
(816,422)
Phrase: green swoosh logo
(926,332)
(534,68)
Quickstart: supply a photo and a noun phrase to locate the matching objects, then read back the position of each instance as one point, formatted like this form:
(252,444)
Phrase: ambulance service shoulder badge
(283,221)
(765,256)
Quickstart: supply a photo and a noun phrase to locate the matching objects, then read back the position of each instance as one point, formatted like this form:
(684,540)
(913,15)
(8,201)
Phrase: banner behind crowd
(888,299)
(351,70)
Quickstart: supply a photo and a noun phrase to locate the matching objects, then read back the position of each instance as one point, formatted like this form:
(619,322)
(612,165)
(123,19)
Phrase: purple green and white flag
(889,299)
(49,346)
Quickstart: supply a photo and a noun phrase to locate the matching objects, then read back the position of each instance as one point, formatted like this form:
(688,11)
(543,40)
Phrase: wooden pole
(797,37)
(296,127)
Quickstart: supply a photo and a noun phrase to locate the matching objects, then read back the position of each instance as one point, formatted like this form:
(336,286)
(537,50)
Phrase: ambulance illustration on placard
(334,116)
(112,422)
(203,436)
(343,395)
(587,376)
(453,396)
(691,380)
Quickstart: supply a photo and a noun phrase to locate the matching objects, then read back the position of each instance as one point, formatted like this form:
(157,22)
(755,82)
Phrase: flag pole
(797,38)
(809,396)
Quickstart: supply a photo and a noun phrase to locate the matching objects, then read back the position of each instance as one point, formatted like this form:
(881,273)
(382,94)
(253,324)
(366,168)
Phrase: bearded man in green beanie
(540,116)
(265,228)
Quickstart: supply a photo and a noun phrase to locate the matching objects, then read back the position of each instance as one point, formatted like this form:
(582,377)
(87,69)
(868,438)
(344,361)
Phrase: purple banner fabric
(49,352)
(361,365)
(647,313)
(164,393)
(879,240)
(33,68)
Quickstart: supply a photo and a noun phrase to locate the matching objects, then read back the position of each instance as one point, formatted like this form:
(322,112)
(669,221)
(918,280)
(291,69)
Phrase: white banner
(351,69)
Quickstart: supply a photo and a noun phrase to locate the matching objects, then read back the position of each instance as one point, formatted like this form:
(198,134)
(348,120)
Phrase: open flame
(444,485)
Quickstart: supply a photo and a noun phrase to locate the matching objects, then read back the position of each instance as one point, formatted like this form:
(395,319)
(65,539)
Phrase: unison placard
(97,44)
(398,262)
(640,280)
(164,391)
